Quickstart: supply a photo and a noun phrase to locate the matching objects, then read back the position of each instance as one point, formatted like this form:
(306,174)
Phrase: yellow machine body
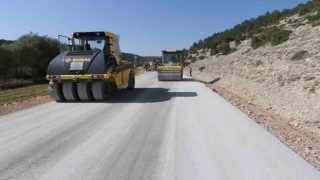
(171,66)
(89,68)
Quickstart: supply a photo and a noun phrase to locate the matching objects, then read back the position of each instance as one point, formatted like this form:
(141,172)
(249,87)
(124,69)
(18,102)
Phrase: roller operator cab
(88,68)
(171,66)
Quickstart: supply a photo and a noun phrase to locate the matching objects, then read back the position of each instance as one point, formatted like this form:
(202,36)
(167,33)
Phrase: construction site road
(160,130)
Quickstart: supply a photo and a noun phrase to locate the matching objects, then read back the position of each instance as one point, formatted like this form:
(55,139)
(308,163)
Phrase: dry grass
(20,94)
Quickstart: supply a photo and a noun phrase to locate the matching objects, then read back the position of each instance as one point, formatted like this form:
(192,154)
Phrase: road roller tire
(85,91)
(131,82)
(70,91)
(55,91)
(101,90)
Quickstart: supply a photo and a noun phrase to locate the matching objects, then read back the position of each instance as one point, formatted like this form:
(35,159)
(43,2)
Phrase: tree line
(218,42)
(27,57)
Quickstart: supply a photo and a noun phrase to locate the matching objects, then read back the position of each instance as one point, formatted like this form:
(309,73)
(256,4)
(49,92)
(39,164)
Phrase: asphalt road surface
(160,130)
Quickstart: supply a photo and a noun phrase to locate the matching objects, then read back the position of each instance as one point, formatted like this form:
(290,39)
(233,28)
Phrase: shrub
(259,62)
(280,37)
(292,78)
(232,50)
(193,59)
(237,42)
(274,35)
(213,52)
(303,11)
(202,68)
(201,57)
(223,48)
(308,78)
(257,42)
(299,55)
(314,17)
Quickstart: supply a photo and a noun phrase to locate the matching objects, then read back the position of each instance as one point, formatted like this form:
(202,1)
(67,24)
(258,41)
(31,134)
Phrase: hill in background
(139,59)
(263,29)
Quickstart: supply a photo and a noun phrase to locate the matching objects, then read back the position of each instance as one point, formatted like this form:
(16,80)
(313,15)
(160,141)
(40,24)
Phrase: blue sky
(145,26)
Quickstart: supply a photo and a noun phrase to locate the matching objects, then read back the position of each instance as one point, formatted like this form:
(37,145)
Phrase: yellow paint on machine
(79,76)
(122,78)
(126,76)
(169,68)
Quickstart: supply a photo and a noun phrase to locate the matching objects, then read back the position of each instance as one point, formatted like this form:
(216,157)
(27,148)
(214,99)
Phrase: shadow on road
(183,80)
(188,80)
(147,95)
(143,95)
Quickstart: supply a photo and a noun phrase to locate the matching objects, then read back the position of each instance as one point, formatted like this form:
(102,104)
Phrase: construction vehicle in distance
(171,66)
(89,67)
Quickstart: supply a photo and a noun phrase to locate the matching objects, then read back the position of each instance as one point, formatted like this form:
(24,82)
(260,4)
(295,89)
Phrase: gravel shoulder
(20,105)
(301,137)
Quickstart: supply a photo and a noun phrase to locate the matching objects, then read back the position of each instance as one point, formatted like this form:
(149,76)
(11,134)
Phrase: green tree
(256,42)
(28,57)
(40,50)
(6,63)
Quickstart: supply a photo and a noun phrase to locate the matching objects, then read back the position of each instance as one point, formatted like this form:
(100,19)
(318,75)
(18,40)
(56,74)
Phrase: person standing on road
(190,71)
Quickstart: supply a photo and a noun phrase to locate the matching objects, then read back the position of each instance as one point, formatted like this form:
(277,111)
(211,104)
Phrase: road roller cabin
(89,67)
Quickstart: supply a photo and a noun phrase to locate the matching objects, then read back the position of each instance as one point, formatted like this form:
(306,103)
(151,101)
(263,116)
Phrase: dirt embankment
(17,106)
(277,86)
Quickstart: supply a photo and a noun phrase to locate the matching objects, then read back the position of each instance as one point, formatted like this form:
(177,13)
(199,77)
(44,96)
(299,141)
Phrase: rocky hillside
(286,76)
(282,80)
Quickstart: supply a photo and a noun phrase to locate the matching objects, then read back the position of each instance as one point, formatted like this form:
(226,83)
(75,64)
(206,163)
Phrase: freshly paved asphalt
(160,130)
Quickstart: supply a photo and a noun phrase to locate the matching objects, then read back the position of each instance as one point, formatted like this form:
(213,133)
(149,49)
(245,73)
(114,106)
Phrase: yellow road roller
(171,66)
(89,67)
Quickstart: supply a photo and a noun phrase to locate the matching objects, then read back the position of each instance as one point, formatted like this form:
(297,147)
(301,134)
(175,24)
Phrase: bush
(213,52)
(223,48)
(237,42)
(193,59)
(314,17)
(303,11)
(299,55)
(258,62)
(202,57)
(257,42)
(274,35)
(278,36)
(202,68)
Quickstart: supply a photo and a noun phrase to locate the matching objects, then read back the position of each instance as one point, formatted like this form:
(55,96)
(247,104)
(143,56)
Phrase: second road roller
(171,66)
(88,68)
